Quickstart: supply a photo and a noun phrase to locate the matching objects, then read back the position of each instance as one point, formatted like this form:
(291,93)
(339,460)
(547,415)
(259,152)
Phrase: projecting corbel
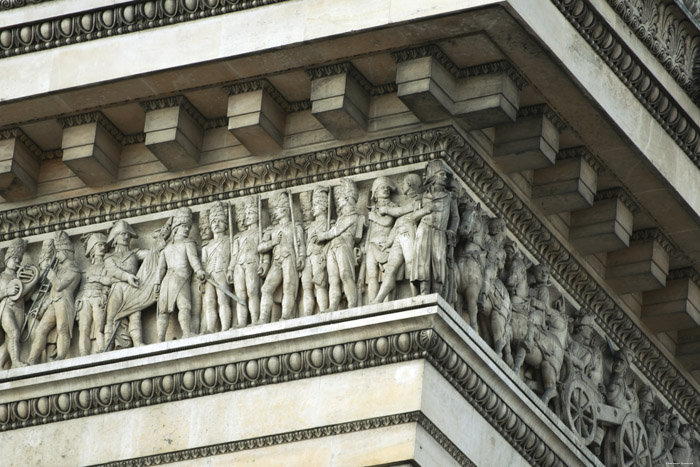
(641,267)
(606,226)
(91,147)
(675,307)
(174,131)
(434,88)
(532,142)
(569,185)
(340,99)
(257,116)
(19,165)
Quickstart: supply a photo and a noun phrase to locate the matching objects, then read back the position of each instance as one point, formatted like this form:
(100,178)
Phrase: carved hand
(300,263)
(201,276)
(229,276)
(132,280)
(383,210)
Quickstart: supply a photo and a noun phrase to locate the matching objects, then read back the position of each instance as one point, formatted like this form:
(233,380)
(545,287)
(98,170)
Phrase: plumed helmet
(16,248)
(280,200)
(379,182)
(182,216)
(218,212)
(62,242)
(92,240)
(306,203)
(347,189)
(119,227)
(586,320)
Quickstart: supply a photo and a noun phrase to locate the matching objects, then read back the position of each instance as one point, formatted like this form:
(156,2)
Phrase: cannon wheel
(632,443)
(579,407)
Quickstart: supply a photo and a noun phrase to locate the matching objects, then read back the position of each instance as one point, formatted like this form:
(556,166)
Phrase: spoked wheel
(632,443)
(579,407)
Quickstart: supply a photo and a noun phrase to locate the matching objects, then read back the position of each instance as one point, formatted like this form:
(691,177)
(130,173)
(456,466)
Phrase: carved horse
(470,258)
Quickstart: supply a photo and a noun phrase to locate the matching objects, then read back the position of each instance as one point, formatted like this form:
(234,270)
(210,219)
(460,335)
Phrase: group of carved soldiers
(248,275)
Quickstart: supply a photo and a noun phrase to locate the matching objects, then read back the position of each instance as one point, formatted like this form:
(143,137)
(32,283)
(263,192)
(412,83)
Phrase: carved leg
(321,297)
(99,317)
(184,314)
(63,331)
(290,285)
(210,313)
(84,327)
(549,378)
(347,277)
(48,322)
(272,281)
(162,325)
(252,281)
(334,288)
(12,338)
(388,284)
(519,359)
(135,329)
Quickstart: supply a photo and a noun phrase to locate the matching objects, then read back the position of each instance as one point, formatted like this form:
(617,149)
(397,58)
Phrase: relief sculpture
(355,242)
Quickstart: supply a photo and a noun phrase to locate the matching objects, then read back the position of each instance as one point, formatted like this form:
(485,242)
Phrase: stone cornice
(275,369)
(92,117)
(656,235)
(583,153)
(365,157)
(547,111)
(175,101)
(629,69)
(259,84)
(618,193)
(302,435)
(111,21)
(349,68)
(447,63)
(684,273)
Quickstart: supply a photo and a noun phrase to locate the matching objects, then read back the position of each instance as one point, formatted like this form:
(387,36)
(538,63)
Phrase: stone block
(174,132)
(435,89)
(92,152)
(532,142)
(341,103)
(641,267)
(19,168)
(569,185)
(604,227)
(257,120)
(673,308)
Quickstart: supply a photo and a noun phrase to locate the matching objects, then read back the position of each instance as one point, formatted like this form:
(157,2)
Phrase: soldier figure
(403,235)
(121,266)
(60,309)
(286,242)
(314,277)
(341,248)
(436,231)
(177,262)
(378,233)
(11,305)
(91,303)
(246,264)
(216,256)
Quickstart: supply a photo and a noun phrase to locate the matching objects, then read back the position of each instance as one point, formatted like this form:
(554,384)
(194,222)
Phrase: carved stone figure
(12,294)
(436,231)
(177,262)
(59,312)
(314,277)
(247,265)
(341,248)
(496,303)
(91,302)
(380,226)
(682,451)
(470,259)
(285,239)
(132,290)
(542,339)
(619,391)
(657,429)
(402,236)
(216,257)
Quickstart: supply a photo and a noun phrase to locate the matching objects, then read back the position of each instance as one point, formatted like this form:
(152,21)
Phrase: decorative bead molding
(646,88)
(583,153)
(258,84)
(546,110)
(302,435)
(112,21)
(175,101)
(349,68)
(618,193)
(293,366)
(447,63)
